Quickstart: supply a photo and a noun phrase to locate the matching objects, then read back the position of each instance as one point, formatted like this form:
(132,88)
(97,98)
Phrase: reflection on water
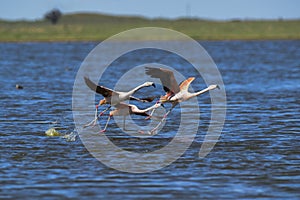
(258,154)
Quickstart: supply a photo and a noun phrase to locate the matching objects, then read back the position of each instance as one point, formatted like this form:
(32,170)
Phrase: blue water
(257,155)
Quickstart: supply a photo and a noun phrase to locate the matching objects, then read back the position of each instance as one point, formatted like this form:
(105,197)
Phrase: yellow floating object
(52,132)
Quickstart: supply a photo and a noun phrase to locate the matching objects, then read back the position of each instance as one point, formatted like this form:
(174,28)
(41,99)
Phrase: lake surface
(257,155)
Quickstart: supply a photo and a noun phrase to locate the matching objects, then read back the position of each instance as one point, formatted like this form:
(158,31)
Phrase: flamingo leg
(96,116)
(162,120)
(89,124)
(94,121)
(103,130)
(152,111)
(101,113)
(124,118)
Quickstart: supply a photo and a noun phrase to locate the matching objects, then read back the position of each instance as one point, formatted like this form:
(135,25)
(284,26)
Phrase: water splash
(71,137)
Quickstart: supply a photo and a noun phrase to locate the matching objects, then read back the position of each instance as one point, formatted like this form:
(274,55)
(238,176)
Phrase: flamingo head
(150,84)
(211,87)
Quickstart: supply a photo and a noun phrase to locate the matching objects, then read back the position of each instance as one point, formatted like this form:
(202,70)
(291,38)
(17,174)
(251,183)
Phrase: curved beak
(153,84)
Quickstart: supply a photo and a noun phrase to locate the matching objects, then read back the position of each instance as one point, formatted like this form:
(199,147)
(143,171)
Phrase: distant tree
(53,16)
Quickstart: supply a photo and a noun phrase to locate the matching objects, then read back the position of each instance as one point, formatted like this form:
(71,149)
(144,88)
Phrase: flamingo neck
(136,89)
(148,109)
(200,92)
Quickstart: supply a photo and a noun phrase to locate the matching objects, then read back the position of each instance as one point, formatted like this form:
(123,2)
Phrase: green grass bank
(96,27)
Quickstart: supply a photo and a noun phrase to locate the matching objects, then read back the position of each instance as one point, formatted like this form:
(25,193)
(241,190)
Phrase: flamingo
(174,93)
(123,109)
(113,97)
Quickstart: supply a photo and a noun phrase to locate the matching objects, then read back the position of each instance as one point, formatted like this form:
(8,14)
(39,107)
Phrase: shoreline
(99,41)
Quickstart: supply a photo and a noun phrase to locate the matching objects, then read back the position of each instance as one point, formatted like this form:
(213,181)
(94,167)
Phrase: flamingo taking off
(174,93)
(124,110)
(113,97)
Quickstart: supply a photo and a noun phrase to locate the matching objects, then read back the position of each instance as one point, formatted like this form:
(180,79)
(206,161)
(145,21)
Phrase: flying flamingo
(174,93)
(113,97)
(124,110)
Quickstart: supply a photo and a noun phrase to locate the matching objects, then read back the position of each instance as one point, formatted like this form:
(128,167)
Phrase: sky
(208,9)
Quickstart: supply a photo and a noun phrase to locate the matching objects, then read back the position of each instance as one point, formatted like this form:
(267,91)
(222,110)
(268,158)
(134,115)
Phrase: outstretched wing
(106,92)
(166,77)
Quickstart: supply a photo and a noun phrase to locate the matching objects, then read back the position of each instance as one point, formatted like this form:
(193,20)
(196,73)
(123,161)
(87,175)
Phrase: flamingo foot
(102,131)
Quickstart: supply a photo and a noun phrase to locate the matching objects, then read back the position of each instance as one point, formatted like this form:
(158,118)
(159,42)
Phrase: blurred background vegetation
(96,27)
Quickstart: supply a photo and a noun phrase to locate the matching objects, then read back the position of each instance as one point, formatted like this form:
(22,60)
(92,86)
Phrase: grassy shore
(95,27)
